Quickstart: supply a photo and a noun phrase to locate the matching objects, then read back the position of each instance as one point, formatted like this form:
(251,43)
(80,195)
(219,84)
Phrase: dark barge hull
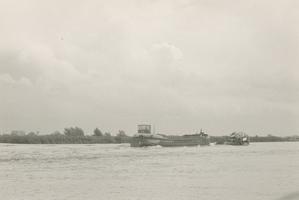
(140,142)
(180,143)
(237,143)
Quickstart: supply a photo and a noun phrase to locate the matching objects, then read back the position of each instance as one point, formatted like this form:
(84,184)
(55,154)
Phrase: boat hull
(236,143)
(143,141)
(178,143)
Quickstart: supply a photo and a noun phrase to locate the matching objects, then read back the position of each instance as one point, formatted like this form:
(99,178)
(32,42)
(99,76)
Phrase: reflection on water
(117,171)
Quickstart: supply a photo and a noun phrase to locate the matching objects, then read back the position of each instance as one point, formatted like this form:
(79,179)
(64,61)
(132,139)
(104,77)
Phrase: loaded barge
(144,137)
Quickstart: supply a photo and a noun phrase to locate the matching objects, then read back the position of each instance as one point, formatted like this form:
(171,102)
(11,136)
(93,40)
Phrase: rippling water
(257,171)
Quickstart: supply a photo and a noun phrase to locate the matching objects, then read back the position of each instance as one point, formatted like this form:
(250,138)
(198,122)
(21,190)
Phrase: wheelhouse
(143,128)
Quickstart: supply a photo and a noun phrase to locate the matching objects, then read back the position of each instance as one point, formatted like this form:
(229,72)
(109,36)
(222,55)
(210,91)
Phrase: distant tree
(17,132)
(121,133)
(13,132)
(32,134)
(56,133)
(73,131)
(108,134)
(97,132)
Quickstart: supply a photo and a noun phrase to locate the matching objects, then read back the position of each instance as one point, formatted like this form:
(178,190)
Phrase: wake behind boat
(144,137)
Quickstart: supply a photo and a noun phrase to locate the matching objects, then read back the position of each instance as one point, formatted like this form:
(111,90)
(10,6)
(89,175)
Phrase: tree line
(75,135)
(69,136)
(256,138)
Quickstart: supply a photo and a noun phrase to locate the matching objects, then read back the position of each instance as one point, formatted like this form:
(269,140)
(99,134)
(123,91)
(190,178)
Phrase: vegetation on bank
(256,138)
(76,136)
(69,136)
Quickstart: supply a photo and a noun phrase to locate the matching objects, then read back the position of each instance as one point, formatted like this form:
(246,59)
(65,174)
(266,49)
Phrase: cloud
(7,79)
(25,81)
(167,51)
(198,60)
(48,69)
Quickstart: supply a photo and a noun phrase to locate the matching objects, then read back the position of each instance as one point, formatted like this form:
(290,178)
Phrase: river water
(117,171)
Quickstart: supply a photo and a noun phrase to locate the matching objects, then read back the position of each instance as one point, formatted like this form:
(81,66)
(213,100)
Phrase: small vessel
(144,137)
(236,138)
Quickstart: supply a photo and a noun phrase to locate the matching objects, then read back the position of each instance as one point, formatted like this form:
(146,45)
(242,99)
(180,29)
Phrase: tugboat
(144,137)
(235,138)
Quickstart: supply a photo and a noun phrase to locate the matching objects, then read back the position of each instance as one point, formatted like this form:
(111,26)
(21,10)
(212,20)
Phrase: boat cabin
(144,128)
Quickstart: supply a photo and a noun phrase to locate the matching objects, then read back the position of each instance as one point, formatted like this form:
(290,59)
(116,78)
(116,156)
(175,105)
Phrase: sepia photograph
(149,100)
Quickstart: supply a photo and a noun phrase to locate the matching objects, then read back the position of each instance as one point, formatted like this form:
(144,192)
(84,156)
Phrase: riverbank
(63,139)
(214,139)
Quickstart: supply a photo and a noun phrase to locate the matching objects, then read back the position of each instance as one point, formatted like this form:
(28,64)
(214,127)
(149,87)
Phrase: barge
(144,137)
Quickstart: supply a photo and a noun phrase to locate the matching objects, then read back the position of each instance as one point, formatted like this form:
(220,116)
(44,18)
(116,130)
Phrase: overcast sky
(181,65)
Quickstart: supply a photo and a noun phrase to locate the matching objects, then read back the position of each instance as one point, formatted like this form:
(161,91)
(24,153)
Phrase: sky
(179,65)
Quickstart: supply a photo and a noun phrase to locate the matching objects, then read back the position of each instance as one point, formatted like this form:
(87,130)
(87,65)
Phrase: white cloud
(165,50)
(25,81)
(7,79)
(175,59)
